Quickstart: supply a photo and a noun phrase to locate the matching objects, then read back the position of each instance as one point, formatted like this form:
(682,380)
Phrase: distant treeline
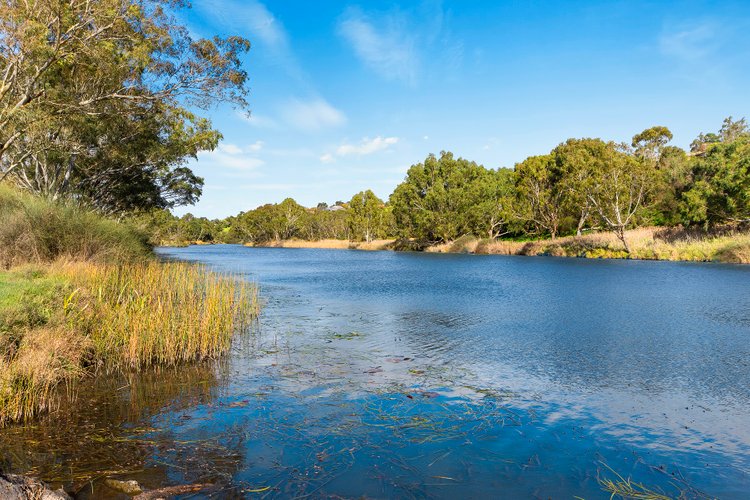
(581,185)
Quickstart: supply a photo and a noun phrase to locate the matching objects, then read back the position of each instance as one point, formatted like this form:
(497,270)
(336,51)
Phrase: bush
(39,230)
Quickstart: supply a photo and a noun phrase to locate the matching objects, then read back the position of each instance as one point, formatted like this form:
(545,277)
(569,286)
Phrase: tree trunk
(621,235)
(581,223)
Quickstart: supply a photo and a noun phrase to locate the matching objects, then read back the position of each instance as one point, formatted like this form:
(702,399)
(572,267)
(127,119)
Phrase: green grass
(82,294)
(62,321)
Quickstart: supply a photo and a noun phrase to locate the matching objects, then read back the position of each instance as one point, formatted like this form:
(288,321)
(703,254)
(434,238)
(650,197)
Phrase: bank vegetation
(585,198)
(81,295)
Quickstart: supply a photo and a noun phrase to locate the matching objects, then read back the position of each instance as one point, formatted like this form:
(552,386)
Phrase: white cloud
(230,156)
(689,42)
(312,115)
(253,18)
(256,146)
(230,149)
(366,146)
(259,121)
(388,46)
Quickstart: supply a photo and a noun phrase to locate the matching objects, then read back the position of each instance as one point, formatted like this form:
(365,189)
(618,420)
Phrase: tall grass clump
(61,321)
(156,313)
(38,230)
(37,352)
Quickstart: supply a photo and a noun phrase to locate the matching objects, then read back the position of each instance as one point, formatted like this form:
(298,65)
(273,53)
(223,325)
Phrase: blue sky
(346,96)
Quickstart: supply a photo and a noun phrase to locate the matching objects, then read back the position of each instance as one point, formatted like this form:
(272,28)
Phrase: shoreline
(653,243)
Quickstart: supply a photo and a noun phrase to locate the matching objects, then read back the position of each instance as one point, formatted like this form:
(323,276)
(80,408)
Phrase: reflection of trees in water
(108,429)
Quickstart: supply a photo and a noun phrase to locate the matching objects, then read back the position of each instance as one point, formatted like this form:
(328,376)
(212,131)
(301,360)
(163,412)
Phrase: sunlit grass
(621,487)
(161,313)
(649,243)
(63,321)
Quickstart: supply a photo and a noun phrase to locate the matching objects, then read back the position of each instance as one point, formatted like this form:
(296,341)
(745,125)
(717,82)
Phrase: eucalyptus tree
(491,213)
(648,144)
(366,216)
(83,81)
(540,195)
(720,189)
(619,189)
(577,162)
(433,201)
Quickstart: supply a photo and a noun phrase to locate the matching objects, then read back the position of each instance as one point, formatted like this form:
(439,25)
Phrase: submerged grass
(620,487)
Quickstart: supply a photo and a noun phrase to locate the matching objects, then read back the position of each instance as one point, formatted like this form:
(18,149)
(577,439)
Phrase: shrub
(39,230)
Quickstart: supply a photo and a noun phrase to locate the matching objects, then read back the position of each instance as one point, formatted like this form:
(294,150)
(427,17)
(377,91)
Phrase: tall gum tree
(539,194)
(620,189)
(77,78)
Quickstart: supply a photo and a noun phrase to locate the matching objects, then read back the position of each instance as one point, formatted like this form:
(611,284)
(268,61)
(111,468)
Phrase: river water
(415,375)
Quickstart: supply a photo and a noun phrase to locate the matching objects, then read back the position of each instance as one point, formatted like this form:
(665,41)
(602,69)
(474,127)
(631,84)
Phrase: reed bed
(83,317)
(161,313)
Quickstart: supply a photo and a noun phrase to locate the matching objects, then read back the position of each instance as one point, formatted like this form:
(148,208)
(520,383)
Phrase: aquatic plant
(159,313)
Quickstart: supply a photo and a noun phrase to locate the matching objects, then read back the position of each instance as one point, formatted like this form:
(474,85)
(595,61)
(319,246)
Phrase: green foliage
(95,100)
(648,144)
(437,198)
(720,191)
(582,185)
(273,222)
(540,194)
(367,216)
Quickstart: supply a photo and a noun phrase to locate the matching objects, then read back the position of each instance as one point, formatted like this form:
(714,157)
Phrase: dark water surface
(424,375)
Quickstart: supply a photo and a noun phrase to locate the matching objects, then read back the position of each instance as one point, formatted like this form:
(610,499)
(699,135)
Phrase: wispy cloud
(690,42)
(311,115)
(259,121)
(400,44)
(254,19)
(232,156)
(365,147)
(385,45)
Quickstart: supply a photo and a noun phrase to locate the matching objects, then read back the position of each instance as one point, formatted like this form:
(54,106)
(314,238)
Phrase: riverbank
(651,243)
(64,321)
(82,295)
(328,244)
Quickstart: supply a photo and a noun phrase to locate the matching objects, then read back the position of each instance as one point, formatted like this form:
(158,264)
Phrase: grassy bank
(646,243)
(82,295)
(328,244)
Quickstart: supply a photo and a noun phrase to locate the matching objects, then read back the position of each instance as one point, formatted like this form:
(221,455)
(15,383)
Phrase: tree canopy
(96,100)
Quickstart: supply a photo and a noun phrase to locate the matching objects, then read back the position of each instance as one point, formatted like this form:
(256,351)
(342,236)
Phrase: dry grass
(35,230)
(647,243)
(60,322)
(326,244)
(160,313)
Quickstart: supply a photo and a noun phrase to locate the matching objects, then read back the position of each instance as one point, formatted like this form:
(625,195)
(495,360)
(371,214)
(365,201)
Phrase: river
(417,375)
